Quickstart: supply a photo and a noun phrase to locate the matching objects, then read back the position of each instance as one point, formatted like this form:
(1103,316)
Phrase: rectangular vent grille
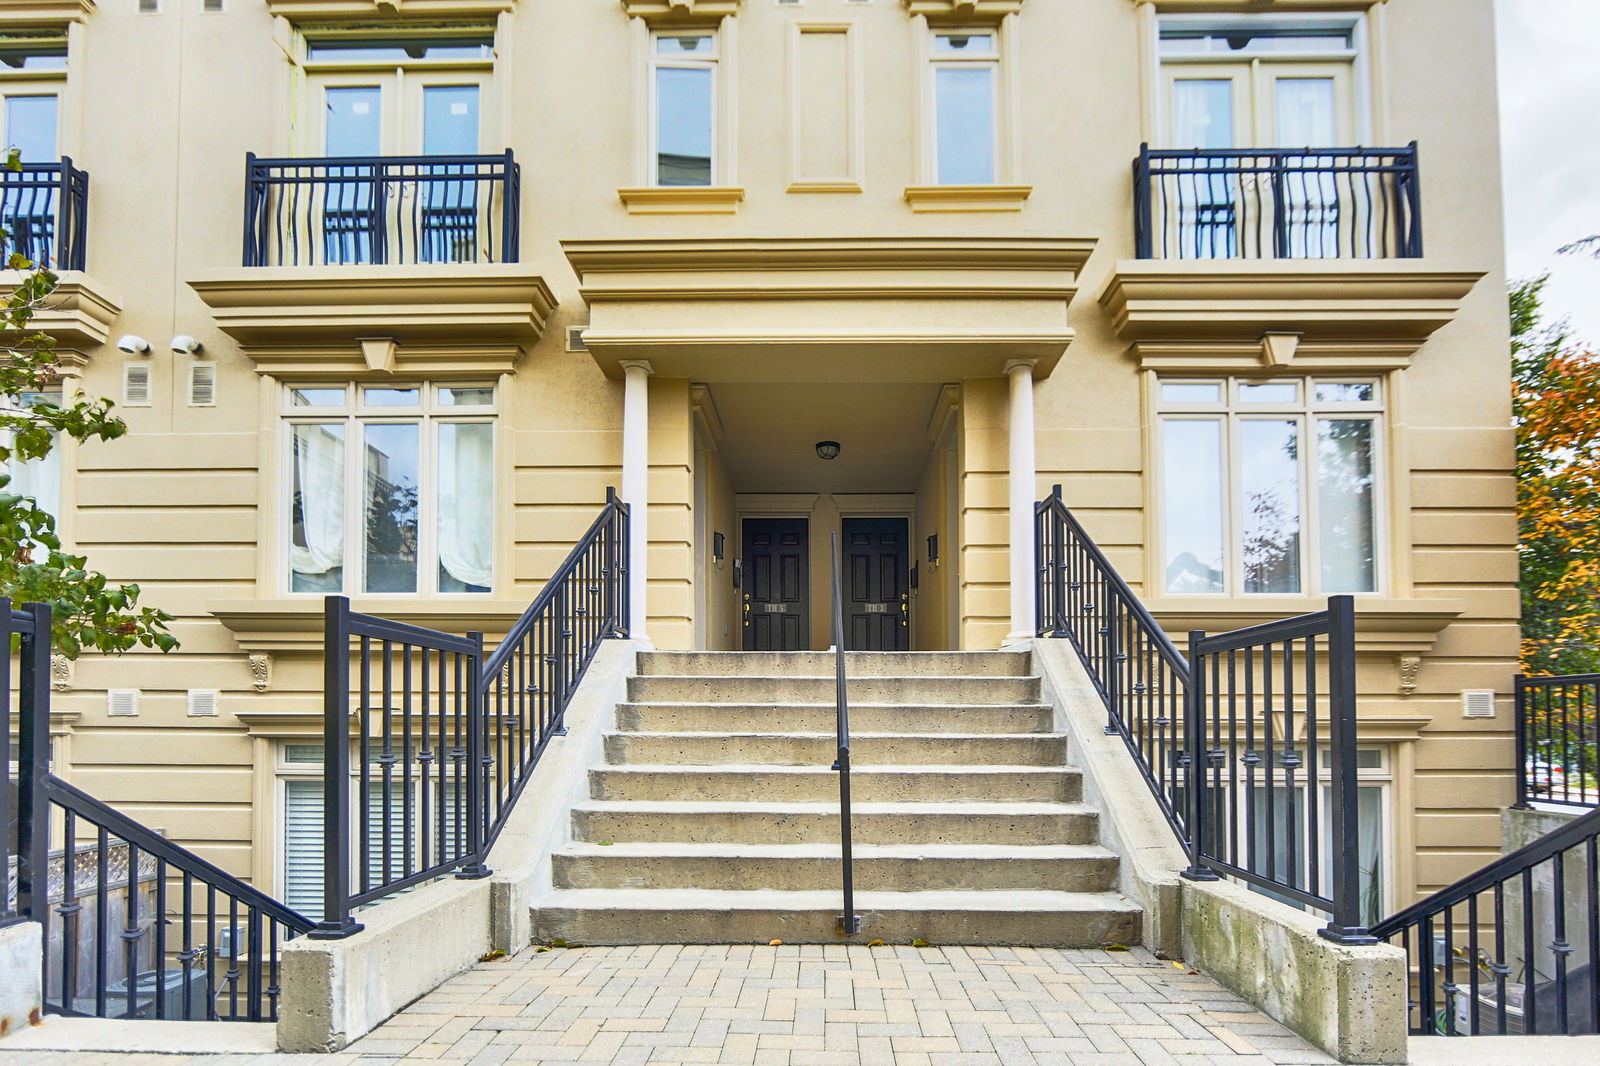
(202,384)
(211,6)
(136,385)
(1477,703)
(575,339)
(202,703)
(149,7)
(122,702)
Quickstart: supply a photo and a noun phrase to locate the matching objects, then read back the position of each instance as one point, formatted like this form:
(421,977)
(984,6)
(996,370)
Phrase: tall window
(33,69)
(1270,486)
(39,479)
(683,91)
(390,488)
(966,87)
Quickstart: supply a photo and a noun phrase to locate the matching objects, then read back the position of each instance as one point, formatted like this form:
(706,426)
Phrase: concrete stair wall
(714,817)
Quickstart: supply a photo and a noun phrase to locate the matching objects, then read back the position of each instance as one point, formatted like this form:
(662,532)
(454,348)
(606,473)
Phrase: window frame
(428,415)
(655,61)
(995,61)
(1306,413)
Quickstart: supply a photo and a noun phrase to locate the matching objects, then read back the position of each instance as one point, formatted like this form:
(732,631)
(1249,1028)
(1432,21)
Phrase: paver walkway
(808,1006)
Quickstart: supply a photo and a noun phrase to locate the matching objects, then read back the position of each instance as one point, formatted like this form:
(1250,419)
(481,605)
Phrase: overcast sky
(1550,140)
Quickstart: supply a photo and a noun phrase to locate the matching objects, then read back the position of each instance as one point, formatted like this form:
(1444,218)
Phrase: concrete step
(820,717)
(819,784)
(707,822)
(820,688)
(821,663)
(694,916)
(814,749)
(816,867)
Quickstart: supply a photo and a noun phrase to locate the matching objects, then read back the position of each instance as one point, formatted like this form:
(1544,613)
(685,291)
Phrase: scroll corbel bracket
(1410,666)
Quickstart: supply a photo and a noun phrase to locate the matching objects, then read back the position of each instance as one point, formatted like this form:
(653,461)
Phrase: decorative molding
(970,11)
(260,671)
(908,309)
(1324,300)
(801,503)
(1334,356)
(823,187)
(302,11)
(948,198)
(1391,728)
(680,12)
(1383,624)
(60,672)
(455,304)
(1277,349)
(1213,7)
(1408,665)
(272,626)
(874,503)
(378,353)
(945,409)
(78,313)
(682,200)
(347,361)
(706,418)
(46,11)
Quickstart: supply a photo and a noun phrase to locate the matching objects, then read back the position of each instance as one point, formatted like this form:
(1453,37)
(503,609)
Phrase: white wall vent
(575,339)
(211,7)
(149,7)
(122,702)
(136,385)
(202,384)
(1477,703)
(202,703)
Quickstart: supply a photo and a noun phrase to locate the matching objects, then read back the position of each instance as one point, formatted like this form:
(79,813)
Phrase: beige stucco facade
(825,286)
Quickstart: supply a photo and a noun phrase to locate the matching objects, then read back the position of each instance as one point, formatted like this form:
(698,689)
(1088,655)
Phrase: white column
(636,488)
(1021,480)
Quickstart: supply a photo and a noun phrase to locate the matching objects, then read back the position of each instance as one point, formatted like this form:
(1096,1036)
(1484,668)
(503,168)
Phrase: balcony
(1277,203)
(44,208)
(381,210)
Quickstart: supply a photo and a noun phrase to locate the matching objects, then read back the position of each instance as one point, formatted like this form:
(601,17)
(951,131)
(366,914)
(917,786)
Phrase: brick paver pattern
(814,1006)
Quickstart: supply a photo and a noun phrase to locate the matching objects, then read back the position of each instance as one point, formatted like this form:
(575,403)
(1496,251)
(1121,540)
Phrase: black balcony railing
(381,210)
(1248,743)
(44,208)
(1277,203)
(1558,740)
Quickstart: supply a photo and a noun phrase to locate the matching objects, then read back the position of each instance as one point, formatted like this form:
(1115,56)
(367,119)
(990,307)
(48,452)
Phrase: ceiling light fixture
(827,449)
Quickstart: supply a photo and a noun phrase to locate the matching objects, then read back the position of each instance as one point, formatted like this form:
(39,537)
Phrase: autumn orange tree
(1556,405)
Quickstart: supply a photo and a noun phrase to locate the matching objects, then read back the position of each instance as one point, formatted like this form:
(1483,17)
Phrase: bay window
(1269,486)
(390,488)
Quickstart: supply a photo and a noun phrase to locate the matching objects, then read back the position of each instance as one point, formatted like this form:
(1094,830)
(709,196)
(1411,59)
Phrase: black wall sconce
(738,575)
(719,546)
(913,575)
(933,549)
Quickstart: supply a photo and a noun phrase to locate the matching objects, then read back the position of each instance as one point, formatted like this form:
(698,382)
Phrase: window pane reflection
(683,126)
(1192,504)
(1345,497)
(390,503)
(1269,477)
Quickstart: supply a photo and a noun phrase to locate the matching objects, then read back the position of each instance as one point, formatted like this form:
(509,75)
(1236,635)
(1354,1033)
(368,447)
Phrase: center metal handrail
(849,920)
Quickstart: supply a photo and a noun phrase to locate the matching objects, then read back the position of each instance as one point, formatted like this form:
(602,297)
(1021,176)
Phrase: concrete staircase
(715,816)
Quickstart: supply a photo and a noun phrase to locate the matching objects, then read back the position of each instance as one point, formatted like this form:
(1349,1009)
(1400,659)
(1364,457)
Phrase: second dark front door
(876,565)
(775,595)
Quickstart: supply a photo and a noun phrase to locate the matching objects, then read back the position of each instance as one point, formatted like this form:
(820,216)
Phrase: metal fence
(1247,744)
(381,209)
(443,739)
(134,925)
(1558,739)
(1277,203)
(44,208)
(1513,948)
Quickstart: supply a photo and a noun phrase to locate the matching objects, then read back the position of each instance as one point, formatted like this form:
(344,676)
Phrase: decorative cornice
(273,311)
(1321,299)
(680,12)
(948,198)
(302,11)
(971,11)
(77,314)
(46,11)
(295,625)
(1356,355)
(1211,7)
(682,199)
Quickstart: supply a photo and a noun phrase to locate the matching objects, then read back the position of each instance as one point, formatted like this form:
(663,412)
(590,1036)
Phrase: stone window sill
(947,198)
(682,200)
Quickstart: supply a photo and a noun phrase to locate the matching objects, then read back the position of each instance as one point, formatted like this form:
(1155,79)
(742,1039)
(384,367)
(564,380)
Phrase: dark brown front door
(876,571)
(776,595)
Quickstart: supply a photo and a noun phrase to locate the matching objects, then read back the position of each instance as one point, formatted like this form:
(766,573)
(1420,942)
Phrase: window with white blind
(1270,486)
(390,488)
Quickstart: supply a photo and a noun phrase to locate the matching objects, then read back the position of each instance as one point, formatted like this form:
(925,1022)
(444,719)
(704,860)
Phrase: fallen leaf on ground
(493,956)
(874,943)
(774,943)
(919,943)
(1114,947)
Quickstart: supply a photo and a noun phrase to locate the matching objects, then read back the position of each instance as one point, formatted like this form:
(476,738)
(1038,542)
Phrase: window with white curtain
(39,479)
(966,107)
(390,488)
(1270,486)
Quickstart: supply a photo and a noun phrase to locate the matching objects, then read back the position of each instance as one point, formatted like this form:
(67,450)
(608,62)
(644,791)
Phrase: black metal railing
(1239,741)
(446,738)
(415,709)
(134,926)
(1558,739)
(530,678)
(344,210)
(1277,203)
(44,208)
(1513,948)
(849,920)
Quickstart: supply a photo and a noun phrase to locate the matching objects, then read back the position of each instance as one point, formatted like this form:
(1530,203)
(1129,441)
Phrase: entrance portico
(917,356)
